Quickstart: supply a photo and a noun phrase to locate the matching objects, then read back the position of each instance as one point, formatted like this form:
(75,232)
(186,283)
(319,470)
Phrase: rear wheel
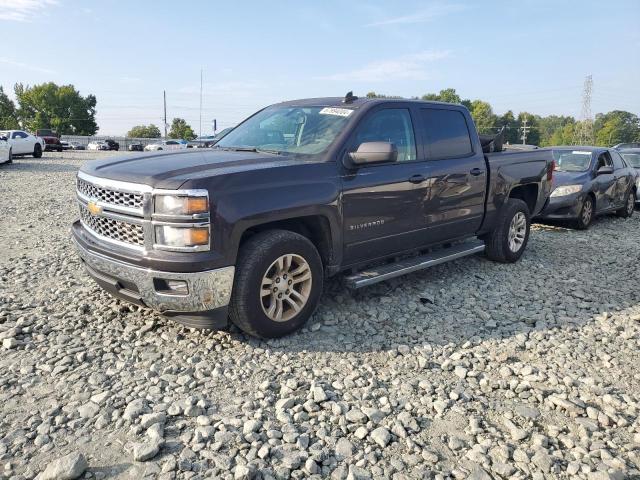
(586,214)
(37,151)
(278,284)
(629,206)
(508,240)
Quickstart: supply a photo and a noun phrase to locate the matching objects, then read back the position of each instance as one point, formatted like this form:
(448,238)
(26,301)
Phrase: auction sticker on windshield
(340,112)
(580,152)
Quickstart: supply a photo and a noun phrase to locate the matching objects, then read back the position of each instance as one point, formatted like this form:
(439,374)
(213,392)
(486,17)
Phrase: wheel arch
(528,193)
(317,228)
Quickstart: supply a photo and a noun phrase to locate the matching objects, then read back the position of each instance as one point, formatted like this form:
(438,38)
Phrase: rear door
(382,202)
(457,174)
(623,178)
(19,142)
(605,184)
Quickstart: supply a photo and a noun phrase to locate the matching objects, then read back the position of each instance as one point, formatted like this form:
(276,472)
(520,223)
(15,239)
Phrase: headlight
(566,190)
(181,204)
(180,237)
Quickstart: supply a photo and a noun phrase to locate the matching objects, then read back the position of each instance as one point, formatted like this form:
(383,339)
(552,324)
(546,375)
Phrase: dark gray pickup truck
(299,192)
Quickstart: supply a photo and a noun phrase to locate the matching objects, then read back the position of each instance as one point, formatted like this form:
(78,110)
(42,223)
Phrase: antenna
(349,98)
(584,133)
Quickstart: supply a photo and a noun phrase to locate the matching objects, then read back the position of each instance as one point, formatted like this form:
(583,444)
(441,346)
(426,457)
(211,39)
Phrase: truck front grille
(108,196)
(121,231)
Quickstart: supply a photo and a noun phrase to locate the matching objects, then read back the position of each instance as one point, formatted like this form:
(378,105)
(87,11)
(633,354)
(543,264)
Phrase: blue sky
(522,55)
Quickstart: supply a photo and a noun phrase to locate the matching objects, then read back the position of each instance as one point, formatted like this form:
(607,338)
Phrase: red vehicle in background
(51,139)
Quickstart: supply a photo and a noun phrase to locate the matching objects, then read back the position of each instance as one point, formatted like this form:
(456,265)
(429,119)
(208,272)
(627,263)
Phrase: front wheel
(507,241)
(278,284)
(586,214)
(37,151)
(629,206)
(10,158)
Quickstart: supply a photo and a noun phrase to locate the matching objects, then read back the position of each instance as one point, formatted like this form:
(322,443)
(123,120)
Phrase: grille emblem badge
(94,208)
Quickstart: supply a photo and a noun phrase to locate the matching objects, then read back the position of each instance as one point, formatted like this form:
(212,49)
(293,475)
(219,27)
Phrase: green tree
(447,95)
(181,129)
(144,131)
(551,129)
(8,114)
(483,117)
(61,108)
(563,135)
(615,127)
(509,121)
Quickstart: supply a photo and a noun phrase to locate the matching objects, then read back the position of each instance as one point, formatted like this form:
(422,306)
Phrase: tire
(629,206)
(502,244)
(258,259)
(37,151)
(60,150)
(587,212)
(10,160)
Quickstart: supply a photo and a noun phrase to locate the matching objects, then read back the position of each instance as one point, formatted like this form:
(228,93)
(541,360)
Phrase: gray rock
(381,436)
(134,409)
(344,448)
(146,450)
(68,467)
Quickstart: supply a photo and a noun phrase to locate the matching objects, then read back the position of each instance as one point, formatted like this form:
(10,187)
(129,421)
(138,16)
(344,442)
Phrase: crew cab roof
(355,104)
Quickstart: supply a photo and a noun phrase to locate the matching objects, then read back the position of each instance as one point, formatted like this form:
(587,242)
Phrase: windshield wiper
(252,149)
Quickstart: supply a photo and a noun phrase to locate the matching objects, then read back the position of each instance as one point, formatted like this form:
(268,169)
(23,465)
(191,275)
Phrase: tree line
(607,129)
(62,108)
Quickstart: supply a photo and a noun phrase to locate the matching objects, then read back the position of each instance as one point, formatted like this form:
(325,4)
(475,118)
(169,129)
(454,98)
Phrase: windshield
(633,159)
(572,160)
(280,129)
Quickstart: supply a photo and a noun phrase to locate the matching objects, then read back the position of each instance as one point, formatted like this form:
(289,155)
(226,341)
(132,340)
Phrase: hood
(172,169)
(571,178)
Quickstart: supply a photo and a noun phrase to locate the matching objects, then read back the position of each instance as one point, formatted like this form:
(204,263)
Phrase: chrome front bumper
(207,290)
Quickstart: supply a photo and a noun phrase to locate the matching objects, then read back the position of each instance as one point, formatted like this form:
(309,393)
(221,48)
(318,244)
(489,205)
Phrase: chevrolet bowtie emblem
(94,208)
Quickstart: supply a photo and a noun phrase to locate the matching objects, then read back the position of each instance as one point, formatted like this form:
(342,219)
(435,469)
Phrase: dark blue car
(590,181)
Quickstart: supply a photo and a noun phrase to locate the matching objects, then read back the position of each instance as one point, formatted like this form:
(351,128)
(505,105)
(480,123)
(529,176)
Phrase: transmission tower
(584,132)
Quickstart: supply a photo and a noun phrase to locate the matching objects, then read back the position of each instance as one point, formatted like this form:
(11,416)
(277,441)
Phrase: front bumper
(204,306)
(562,208)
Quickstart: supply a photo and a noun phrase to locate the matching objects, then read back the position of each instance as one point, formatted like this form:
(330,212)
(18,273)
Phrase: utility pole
(200,134)
(584,133)
(525,130)
(164,92)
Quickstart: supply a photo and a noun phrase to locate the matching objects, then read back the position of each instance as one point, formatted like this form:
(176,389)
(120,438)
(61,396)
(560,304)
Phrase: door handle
(476,171)
(417,179)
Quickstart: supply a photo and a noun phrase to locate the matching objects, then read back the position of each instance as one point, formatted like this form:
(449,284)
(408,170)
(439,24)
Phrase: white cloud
(25,66)
(405,67)
(23,10)
(426,15)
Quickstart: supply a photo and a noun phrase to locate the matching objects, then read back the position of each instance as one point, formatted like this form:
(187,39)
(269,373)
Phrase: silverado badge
(94,208)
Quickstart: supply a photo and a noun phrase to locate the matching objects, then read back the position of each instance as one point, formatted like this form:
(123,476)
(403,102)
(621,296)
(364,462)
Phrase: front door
(605,184)
(381,201)
(623,179)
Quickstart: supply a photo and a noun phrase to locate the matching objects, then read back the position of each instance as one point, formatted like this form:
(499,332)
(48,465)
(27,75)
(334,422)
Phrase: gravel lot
(468,370)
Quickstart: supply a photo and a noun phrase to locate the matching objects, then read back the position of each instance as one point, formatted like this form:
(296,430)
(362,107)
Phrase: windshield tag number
(340,112)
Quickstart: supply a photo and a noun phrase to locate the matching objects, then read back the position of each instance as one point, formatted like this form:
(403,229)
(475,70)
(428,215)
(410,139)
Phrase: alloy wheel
(517,231)
(587,211)
(285,288)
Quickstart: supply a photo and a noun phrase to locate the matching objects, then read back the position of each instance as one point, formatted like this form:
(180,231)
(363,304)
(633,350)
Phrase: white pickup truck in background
(5,151)
(23,143)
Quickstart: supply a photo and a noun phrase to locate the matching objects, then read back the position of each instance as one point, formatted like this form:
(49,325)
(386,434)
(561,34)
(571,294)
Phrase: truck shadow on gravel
(557,284)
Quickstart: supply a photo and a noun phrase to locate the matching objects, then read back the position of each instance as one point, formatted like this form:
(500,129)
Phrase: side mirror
(374,152)
(605,171)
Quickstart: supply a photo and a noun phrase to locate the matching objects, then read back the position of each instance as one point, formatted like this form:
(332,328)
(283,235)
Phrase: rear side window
(447,134)
(617,160)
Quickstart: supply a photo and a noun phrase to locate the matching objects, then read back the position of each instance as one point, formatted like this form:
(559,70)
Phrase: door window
(447,133)
(604,160)
(389,125)
(19,135)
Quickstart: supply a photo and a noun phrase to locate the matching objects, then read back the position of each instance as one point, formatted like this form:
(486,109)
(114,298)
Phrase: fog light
(171,287)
